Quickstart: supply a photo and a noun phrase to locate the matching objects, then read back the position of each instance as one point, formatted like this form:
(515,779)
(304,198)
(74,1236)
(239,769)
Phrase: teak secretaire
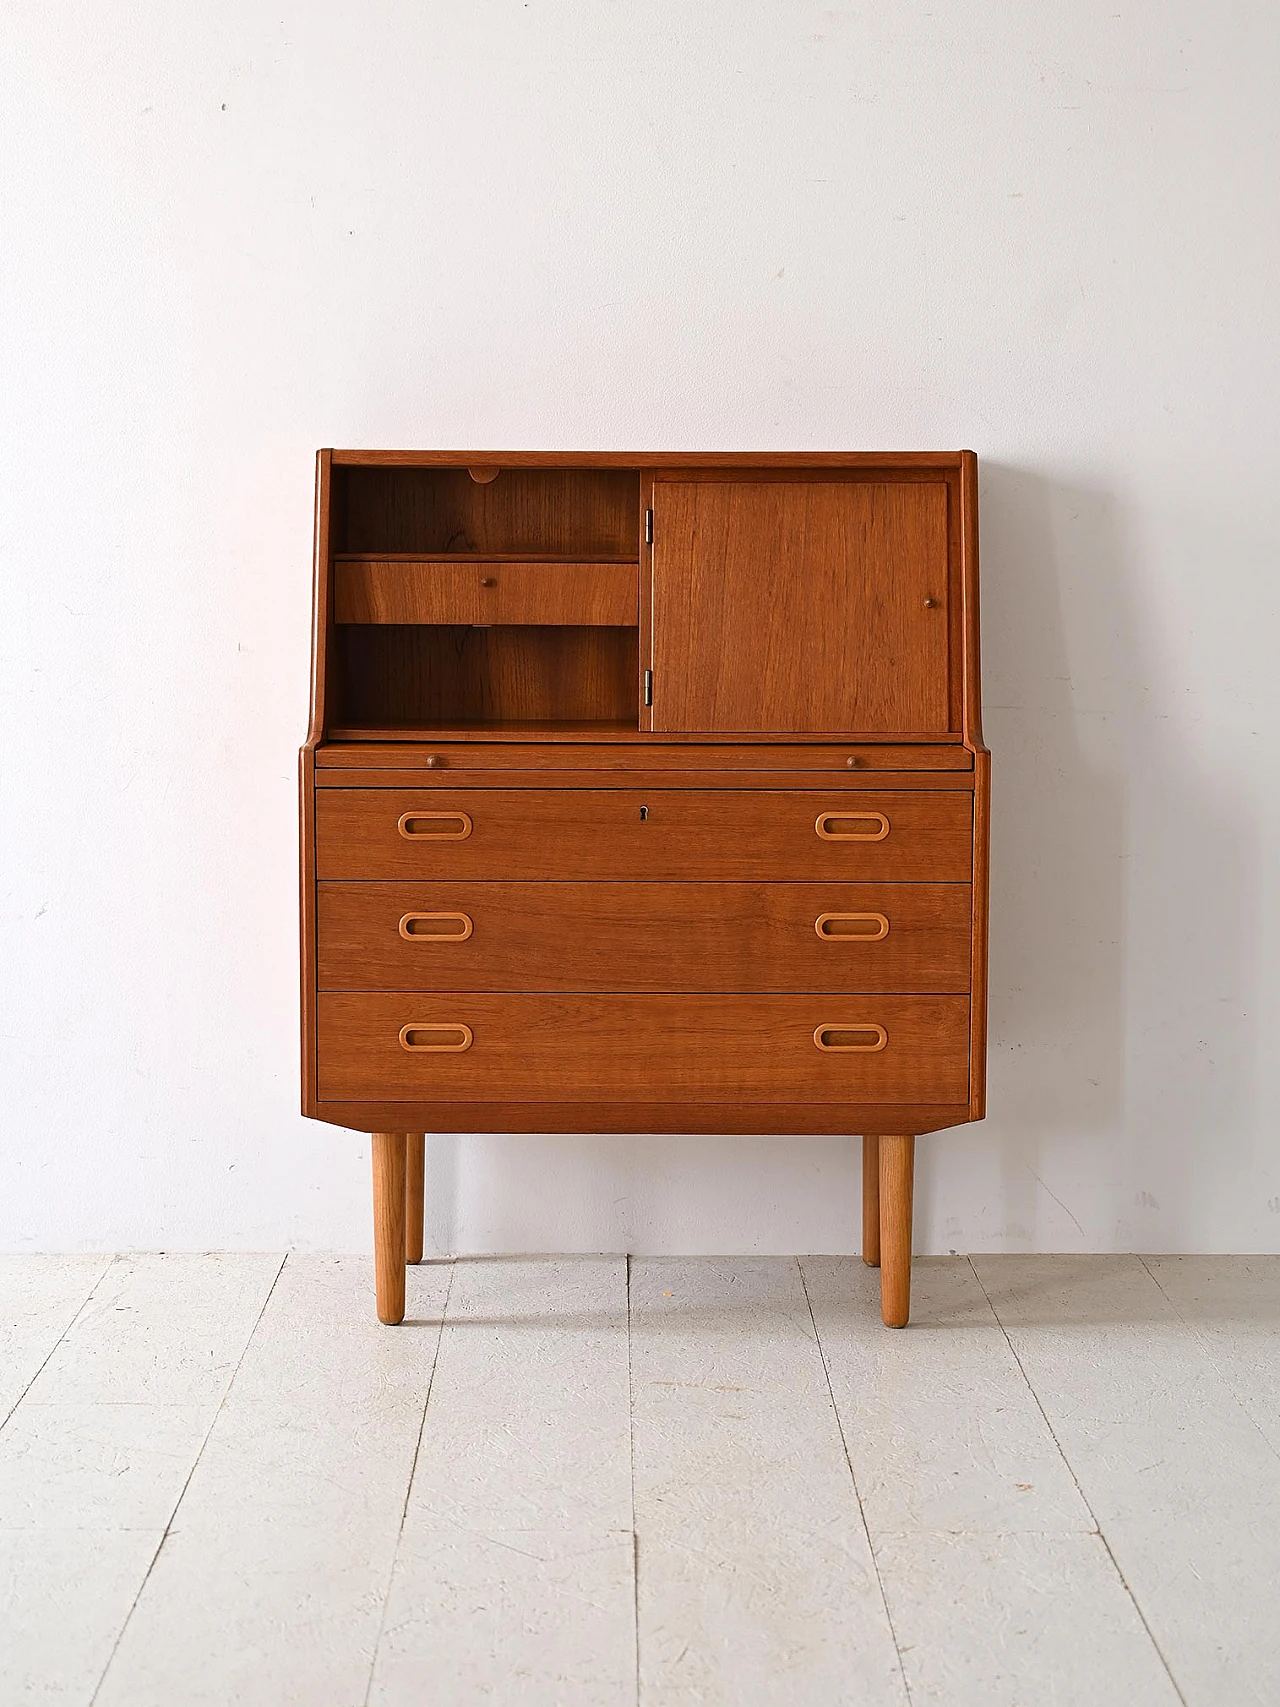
(645,794)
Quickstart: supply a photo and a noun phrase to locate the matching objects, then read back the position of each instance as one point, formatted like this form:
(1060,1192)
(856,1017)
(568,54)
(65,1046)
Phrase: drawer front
(644,936)
(655,834)
(485,592)
(726,1048)
(631,756)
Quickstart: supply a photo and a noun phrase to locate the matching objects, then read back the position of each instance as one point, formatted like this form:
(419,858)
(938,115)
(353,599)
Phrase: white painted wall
(233,233)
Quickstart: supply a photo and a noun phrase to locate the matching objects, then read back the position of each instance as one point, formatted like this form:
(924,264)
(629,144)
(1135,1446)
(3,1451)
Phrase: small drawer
(828,1048)
(405,590)
(644,936)
(662,835)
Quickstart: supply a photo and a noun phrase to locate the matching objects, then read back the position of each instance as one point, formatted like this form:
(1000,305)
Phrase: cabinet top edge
(940,459)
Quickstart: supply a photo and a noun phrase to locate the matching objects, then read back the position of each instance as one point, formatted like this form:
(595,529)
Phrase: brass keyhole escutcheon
(644,814)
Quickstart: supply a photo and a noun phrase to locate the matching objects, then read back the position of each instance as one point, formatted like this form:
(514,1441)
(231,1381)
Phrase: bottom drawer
(560,1048)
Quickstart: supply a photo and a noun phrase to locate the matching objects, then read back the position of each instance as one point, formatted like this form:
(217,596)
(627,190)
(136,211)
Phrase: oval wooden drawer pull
(845,927)
(435,1039)
(852,826)
(854,1039)
(434,826)
(417,927)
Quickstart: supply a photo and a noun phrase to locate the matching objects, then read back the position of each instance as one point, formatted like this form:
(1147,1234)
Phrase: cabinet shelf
(575,559)
(512,729)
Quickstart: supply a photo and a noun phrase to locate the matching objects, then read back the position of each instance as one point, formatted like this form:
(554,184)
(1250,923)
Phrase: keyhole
(644,813)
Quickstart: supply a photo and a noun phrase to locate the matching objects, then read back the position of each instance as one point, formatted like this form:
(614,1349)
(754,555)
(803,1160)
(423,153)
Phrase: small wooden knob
(435,761)
(931,604)
(488,581)
(854,762)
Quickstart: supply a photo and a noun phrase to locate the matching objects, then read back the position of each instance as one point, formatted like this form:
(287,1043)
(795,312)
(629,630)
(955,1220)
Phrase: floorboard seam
(182,1493)
(1207,1349)
(862,1514)
(408,1487)
(631,1458)
(1084,1498)
(84,1305)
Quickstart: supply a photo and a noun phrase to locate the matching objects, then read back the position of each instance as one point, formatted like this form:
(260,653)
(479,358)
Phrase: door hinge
(648,527)
(648,687)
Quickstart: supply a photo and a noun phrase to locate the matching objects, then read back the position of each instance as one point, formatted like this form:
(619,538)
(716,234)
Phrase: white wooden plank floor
(578,1480)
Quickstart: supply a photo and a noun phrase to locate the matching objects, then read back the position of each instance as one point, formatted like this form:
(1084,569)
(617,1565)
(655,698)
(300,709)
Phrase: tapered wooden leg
(415,1158)
(388,1224)
(897,1170)
(871,1201)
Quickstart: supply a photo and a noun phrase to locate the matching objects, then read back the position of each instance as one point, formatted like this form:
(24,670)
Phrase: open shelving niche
(476,601)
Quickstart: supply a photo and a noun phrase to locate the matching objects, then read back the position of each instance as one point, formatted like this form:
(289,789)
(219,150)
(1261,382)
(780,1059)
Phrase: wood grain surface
(389,1160)
(381,590)
(639,753)
(644,936)
(677,1047)
(897,1177)
(424,675)
(653,834)
(784,605)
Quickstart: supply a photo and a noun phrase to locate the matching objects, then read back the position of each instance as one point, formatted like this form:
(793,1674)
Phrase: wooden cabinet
(645,793)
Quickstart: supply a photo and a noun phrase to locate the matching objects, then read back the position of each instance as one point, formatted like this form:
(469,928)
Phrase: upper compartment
(588,513)
(485,597)
(822,597)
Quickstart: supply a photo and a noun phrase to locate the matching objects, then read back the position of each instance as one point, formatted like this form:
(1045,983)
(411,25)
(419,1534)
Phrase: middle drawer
(903,937)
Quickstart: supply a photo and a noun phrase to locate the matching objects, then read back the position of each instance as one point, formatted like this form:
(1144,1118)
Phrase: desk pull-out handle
(435,1039)
(851,927)
(852,826)
(851,1039)
(434,826)
(433,927)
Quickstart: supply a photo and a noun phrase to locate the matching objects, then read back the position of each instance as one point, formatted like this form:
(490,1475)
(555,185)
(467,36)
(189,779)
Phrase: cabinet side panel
(955,601)
(321,606)
(972,648)
(981,885)
(307,921)
(321,715)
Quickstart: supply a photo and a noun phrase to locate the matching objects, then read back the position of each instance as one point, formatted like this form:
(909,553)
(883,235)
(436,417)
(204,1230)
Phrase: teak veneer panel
(474,777)
(884,464)
(644,936)
(602,1047)
(633,1115)
(726,835)
(373,590)
(782,605)
(639,755)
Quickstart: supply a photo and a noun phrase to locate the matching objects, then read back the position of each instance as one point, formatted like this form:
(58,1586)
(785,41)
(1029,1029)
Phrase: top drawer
(643,834)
